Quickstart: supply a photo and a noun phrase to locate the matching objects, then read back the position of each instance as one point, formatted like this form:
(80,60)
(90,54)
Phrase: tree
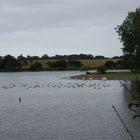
(99,57)
(101,70)
(109,64)
(45,56)
(10,62)
(74,64)
(1,62)
(63,64)
(31,59)
(58,65)
(22,60)
(129,33)
(35,66)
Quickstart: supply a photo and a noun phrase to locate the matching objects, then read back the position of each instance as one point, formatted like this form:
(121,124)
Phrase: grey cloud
(41,14)
(28,2)
(62,26)
(62,41)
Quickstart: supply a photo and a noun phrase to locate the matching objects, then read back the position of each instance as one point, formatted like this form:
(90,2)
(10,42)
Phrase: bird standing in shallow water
(19,99)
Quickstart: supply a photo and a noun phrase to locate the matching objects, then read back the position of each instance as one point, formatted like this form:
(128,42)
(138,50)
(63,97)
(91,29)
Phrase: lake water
(54,107)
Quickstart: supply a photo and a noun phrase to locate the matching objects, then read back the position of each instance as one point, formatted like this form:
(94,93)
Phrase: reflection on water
(133,88)
(54,107)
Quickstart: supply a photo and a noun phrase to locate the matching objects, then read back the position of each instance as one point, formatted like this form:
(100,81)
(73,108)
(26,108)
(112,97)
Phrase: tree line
(57,62)
(76,57)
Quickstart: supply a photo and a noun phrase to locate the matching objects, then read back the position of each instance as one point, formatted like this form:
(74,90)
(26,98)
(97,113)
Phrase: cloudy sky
(38,27)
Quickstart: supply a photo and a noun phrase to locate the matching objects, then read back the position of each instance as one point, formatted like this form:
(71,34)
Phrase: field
(96,63)
(86,63)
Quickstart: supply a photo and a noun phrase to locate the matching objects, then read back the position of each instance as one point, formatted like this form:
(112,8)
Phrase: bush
(110,64)
(35,66)
(74,64)
(57,65)
(63,65)
(101,70)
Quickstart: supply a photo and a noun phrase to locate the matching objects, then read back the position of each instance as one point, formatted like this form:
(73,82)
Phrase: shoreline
(109,76)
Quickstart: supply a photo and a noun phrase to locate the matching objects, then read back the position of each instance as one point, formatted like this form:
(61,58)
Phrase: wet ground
(54,107)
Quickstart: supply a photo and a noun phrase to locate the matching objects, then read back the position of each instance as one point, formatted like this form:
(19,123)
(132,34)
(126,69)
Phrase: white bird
(104,78)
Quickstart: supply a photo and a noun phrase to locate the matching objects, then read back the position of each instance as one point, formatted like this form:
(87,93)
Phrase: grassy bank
(109,76)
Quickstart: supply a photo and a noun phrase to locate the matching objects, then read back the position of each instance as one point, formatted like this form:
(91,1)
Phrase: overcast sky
(38,27)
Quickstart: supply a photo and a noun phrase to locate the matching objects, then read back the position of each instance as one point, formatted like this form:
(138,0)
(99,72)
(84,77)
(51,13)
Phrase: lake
(55,107)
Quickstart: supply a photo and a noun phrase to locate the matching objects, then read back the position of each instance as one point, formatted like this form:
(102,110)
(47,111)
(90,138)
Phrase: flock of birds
(97,85)
(74,84)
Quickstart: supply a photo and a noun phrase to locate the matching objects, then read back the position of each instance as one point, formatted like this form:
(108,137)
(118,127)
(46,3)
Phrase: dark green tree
(129,33)
(35,66)
(109,64)
(57,65)
(74,64)
(10,62)
(31,59)
(1,62)
(45,56)
(99,57)
(64,65)
(22,60)
(101,70)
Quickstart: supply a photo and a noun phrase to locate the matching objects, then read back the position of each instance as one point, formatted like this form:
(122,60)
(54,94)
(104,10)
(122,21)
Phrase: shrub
(35,66)
(109,64)
(101,70)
